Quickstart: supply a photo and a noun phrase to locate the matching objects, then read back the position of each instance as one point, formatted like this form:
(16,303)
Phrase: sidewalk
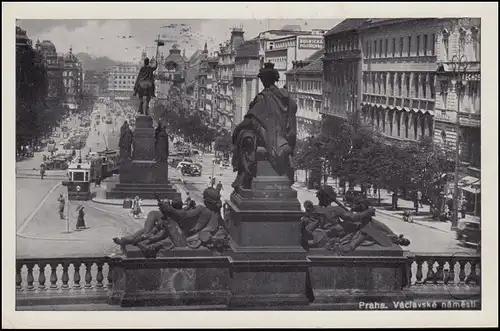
(423,218)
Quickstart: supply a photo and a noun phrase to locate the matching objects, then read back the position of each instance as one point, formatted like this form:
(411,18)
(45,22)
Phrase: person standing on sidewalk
(419,198)
(62,203)
(219,187)
(394,200)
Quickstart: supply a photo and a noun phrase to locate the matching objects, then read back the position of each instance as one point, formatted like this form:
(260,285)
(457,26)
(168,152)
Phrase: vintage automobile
(191,169)
(56,163)
(352,195)
(469,232)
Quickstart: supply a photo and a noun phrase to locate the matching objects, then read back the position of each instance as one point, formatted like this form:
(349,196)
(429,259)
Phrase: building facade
(245,80)
(121,80)
(55,66)
(459,94)
(305,83)
(283,51)
(224,95)
(72,80)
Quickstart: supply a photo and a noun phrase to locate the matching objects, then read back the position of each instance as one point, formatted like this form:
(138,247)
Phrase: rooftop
(248,49)
(351,24)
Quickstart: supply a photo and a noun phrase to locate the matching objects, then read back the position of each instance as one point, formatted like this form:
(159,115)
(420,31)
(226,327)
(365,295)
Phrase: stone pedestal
(269,264)
(143,175)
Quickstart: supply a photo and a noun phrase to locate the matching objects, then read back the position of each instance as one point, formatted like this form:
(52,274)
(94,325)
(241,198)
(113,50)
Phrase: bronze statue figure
(339,230)
(145,86)
(270,123)
(161,143)
(172,226)
(125,142)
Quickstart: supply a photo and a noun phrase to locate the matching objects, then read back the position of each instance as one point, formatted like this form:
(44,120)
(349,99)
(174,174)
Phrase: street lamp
(459,65)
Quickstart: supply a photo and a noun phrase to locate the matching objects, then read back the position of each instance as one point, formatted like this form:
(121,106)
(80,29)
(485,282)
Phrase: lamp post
(459,65)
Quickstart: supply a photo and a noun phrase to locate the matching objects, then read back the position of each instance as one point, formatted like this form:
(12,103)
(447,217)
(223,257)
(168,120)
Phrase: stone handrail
(426,274)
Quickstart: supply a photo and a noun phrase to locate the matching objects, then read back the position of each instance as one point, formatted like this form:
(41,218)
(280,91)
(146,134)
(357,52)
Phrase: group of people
(80,223)
(211,183)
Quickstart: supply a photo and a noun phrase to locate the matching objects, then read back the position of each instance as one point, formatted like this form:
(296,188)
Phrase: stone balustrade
(88,279)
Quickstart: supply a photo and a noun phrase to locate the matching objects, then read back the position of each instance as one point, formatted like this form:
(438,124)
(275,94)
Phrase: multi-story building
(398,76)
(202,83)
(121,80)
(293,46)
(304,82)
(459,94)
(210,108)
(342,68)
(55,65)
(245,80)
(224,95)
(191,83)
(72,80)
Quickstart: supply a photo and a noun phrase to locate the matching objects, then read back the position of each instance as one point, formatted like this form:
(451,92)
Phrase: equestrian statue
(145,82)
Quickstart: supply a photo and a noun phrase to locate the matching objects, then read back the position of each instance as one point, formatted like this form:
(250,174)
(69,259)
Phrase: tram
(78,182)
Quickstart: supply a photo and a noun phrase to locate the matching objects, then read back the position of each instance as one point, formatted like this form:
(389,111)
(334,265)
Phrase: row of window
(310,85)
(469,95)
(422,45)
(280,63)
(340,45)
(309,104)
(401,121)
(281,44)
(125,77)
(400,84)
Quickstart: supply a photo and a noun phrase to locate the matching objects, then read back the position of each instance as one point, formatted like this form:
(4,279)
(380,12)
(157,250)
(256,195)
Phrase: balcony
(89,280)
(422,104)
(353,54)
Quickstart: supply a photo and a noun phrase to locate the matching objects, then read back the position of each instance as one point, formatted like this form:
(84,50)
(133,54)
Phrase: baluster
(419,274)
(110,276)
(99,276)
(461,273)
(430,272)
(88,276)
(65,276)
(76,276)
(30,278)
(472,275)
(41,276)
(438,277)
(19,279)
(448,272)
(53,276)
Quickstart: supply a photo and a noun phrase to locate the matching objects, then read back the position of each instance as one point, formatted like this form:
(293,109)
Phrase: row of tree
(353,152)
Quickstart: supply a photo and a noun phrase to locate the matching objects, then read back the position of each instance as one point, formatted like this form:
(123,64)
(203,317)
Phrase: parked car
(469,232)
(191,169)
(351,195)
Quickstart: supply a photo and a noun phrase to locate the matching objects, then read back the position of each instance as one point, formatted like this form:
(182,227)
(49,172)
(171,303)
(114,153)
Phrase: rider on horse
(145,84)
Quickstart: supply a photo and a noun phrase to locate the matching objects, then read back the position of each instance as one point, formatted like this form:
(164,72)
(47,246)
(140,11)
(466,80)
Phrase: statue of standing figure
(125,142)
(270,123)
(161,143)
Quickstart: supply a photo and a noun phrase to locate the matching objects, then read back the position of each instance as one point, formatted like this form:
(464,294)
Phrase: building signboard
(311,43)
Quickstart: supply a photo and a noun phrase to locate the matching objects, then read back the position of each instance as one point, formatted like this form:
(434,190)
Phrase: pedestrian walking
(419,198)
(42,172)
(62,203)
(98,181)
(394,200)
(219,187)
(415,204)
(212,183)
(80,223)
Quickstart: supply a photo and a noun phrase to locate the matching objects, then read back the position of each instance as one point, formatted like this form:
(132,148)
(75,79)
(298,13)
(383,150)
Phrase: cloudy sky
(123,40)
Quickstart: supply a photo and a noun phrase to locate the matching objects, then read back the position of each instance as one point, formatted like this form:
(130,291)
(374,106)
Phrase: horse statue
(145,82)
(267,132)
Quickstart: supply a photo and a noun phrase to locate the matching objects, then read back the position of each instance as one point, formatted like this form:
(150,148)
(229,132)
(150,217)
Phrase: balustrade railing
(63,274)
(427,273)
(451,270)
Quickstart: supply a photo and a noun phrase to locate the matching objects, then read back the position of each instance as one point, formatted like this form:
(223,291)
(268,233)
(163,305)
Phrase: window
(317,105)
(373,83)
(408,85)
(380,48)
(476,47)
(446,47)
(399,84)
(409,46)
(424,87)
(384,84)
(432,86)
(386,47)
(444,94)
(473,92)
(375,49)
(418,46)
(301,103)
(417,85)
(401,44)
(391,84)
(393,47)
(425,45)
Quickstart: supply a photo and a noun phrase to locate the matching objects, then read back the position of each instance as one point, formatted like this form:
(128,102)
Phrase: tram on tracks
(78,182)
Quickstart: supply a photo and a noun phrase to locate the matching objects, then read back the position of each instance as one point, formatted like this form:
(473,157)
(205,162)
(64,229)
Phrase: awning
(470,184)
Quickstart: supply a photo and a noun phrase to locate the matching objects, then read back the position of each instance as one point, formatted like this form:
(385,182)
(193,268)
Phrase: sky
(124,40)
